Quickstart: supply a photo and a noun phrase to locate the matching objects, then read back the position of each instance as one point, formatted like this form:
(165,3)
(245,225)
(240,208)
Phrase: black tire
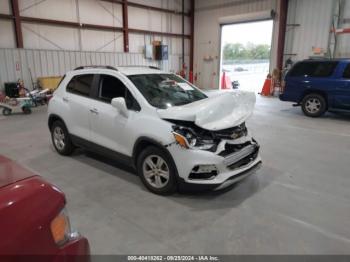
(171,186)
(314,105)
(67,147)
(6,111)
(26,110)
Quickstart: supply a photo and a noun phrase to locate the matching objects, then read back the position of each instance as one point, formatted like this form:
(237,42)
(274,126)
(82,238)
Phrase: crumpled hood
(226,110)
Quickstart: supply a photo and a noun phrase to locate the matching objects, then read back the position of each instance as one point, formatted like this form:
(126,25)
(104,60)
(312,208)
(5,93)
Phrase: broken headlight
(187,138)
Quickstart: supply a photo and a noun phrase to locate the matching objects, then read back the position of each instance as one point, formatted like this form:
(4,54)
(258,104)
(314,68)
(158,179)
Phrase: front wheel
(61,139)
(314,105)
(157,171)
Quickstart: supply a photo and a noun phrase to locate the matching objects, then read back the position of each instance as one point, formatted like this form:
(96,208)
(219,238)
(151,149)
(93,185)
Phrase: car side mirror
(120,104)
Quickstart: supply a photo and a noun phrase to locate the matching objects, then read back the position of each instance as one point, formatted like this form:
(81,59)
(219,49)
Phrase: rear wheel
(314,105)
(61,139)
(157,171)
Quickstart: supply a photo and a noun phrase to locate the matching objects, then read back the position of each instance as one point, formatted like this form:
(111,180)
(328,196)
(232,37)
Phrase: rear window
(80,85)
(313,69)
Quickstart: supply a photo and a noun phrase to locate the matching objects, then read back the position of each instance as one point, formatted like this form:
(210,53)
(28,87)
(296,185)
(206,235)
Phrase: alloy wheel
(313,105)
(156,171)
(59,138)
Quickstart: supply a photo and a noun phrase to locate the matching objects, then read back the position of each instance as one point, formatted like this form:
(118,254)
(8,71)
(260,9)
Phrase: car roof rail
(142,66)
(154,67)
(96,66)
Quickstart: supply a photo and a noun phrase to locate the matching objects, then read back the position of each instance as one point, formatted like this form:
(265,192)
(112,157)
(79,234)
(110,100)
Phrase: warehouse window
(111,87)
(314,69)
(347,72)
(80,85)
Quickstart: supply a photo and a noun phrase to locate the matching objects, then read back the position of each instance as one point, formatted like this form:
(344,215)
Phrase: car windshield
(166,90)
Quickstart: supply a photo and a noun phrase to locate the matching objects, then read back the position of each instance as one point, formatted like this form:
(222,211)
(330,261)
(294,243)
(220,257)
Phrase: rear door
(295,81)
(342,93)
(77,99)
(310,76)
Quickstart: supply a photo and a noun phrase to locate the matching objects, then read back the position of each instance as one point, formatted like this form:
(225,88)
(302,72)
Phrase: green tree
(251,51)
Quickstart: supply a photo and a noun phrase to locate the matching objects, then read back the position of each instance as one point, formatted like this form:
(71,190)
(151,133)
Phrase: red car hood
(28,204)
(10,172)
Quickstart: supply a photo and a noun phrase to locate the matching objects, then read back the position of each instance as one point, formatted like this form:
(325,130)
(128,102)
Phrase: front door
(109,128)
(342,93)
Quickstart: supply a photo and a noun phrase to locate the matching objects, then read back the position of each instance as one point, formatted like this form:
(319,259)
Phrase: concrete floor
(298,203)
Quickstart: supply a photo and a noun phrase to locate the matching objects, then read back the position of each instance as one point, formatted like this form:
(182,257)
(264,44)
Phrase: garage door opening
(246,54)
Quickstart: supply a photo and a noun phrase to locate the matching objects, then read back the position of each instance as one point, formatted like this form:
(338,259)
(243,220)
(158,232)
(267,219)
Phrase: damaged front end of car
(233,144)
(214,145)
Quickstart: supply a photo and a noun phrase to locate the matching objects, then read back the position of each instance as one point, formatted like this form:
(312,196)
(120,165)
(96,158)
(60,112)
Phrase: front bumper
(241,176)
(77,250)
(227,173)
(282,97)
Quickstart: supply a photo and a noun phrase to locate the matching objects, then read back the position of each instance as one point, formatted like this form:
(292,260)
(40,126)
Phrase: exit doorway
(246,53)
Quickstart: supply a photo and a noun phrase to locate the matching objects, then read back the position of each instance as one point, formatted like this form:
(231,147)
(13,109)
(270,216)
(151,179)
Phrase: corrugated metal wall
(100,13)
(53,50)
(207,33)
(343,47)
(314,18)
(18,63)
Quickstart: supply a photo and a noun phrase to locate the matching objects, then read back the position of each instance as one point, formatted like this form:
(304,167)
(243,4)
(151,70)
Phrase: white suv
(170,131)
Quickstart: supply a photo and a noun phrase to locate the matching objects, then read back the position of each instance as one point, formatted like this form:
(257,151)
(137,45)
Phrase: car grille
(240,155)
(245,161)
(232,148)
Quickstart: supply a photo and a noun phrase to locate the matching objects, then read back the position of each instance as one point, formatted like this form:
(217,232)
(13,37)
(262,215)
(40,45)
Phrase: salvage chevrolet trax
(171,132)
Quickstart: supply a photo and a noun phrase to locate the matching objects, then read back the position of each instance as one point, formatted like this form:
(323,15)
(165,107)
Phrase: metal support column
(17,23)
(283,11)
(192,40)
(126,26)
(183,35)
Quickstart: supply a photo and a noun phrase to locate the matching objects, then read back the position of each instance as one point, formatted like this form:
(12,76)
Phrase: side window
(300,69)
(111,87)
(131,102)
(324,69)
(347,72)
(80,85)
(314,69)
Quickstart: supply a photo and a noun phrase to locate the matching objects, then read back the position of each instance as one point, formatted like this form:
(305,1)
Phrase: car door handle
(94,111)
(65,99)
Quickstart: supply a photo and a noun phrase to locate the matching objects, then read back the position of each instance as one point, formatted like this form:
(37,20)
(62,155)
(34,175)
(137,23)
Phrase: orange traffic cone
(266,90)
(225,81)
(223,84)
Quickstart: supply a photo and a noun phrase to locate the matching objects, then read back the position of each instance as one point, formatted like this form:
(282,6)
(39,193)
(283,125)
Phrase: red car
(34,224)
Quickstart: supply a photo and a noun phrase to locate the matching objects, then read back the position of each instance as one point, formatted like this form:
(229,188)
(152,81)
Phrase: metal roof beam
(147,7)
(89,26)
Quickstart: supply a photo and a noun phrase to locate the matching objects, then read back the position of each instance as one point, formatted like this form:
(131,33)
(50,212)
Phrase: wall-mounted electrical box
(161,52)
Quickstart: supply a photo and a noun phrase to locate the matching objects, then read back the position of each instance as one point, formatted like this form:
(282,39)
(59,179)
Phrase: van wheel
(61,139)
(314,105)
(157,171)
